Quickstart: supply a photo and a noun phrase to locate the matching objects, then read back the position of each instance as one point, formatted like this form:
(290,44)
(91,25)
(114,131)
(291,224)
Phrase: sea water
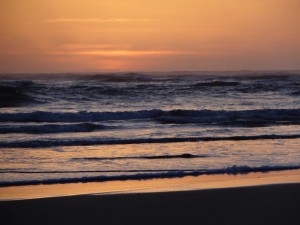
(60,128)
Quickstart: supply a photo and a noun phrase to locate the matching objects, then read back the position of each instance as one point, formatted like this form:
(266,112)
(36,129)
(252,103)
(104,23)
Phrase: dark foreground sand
(259,205)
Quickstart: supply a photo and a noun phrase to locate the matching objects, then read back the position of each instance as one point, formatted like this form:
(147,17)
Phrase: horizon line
(148,71)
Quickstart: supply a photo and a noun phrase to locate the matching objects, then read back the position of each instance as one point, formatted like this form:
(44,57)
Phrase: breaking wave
(96,141)
(141,174)
(52,128)
(180,156)
(15,93)
(260,117)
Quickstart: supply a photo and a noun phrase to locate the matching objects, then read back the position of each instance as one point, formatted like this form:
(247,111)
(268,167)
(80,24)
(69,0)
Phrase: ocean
(62,128)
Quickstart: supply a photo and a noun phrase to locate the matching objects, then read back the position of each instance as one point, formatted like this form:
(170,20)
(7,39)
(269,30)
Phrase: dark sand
(259,205)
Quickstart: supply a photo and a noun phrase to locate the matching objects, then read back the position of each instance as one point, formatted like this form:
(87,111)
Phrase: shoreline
(159,185)
(266,204)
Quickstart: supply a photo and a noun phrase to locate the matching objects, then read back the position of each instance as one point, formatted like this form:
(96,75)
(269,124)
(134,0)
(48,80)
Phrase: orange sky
(140,35)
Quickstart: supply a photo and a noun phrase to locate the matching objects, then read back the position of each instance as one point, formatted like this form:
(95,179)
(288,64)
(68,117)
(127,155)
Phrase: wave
(12,97)
(96,89)
(182,156)
(279,76)
(217,84)
(122,77)
(83,116)
(87,142)
(267,86)
(52,128)
(295,93)
(145,174)
(259,117)
(14,93)
(246,86)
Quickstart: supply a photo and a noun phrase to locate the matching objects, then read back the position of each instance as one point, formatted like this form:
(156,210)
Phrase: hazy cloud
(84,47)
(98,20)
(110,50)
(121,52)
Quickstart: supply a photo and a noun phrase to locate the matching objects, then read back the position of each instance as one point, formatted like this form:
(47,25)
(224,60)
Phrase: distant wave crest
(217,84)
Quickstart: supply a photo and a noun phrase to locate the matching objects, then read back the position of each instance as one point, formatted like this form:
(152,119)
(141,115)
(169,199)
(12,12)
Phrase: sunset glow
(135,35)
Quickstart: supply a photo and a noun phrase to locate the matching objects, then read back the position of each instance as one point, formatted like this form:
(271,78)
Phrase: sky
(49,36)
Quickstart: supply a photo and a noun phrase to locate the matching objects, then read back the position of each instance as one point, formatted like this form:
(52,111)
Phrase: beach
(254,198)
(268,204)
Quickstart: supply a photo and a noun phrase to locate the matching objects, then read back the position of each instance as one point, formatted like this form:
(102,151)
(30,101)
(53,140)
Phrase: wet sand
(187,183)
(261,205)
